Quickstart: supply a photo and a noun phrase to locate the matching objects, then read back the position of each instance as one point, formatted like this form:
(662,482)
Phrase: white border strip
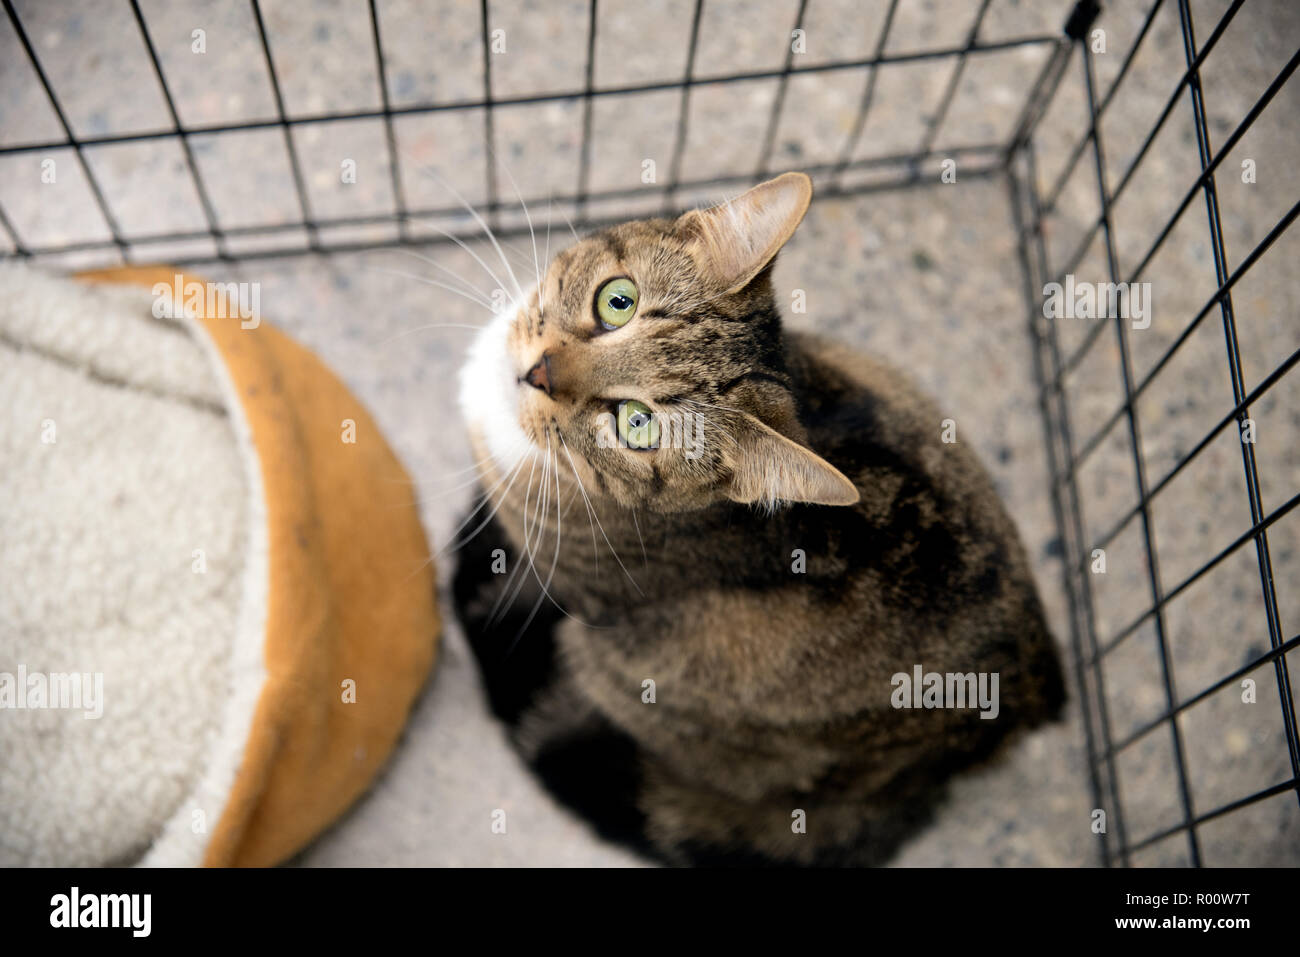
(178,844)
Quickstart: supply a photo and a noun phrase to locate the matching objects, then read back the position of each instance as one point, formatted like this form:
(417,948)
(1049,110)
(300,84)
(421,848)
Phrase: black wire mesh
(1033,207)
(1054,367)
(902,168)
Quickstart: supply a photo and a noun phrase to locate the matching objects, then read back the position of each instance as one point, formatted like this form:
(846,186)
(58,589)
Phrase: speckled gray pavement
(927,277)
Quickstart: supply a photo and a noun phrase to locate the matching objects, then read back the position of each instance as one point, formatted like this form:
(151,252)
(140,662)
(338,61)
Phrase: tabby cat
(706,552)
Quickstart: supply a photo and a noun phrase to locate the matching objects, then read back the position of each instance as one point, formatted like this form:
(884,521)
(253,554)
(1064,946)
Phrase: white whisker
(546,256)
(516,578)
(446,475)
(645,562)
(569,222)
(595,549)
(612,550)
(426,328)
(513,474)
(477,258)
(518,195)
(442,551)
(441,268)
(487,230)
(432,282)
(555,560)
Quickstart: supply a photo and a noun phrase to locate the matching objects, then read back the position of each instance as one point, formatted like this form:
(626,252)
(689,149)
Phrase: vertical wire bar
(394,169)
(1075,512)
(1221,273)
(1041,94)
(19,247)
(308,221)
(868,94)
(1135,443)
(949,93)
(683,113)
(1082,145)
(584,158)
(778,102)
(104,210)
(489,131)
(1051,435)
(209,211)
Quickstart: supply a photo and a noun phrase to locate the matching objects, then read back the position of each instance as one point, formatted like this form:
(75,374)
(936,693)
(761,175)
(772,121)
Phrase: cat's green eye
(637,425)
(616,303)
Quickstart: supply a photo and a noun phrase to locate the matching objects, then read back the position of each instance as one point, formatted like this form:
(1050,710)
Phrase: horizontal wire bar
(904,181)
(1257,393)
(380,219)
(1165,113)
(1266,522)
(1229,144)
(1237,805)
(1200,696)
(1262,247)
(660,86)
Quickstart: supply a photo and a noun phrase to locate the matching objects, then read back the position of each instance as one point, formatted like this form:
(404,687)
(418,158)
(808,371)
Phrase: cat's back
(930,539)
(861,405)
(890,438)
(930,523)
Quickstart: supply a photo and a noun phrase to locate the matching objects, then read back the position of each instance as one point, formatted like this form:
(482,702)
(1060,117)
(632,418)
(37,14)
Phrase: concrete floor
(928,278)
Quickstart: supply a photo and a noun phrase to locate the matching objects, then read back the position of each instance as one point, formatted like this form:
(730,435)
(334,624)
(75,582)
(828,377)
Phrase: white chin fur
(489,389)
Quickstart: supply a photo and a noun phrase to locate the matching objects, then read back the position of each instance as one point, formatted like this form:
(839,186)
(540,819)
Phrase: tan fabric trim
(351,595)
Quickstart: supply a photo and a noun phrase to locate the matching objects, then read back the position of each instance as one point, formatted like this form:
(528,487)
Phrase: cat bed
(216,599)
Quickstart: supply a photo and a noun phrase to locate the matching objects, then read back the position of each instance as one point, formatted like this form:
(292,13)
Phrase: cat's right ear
(769,469)
(732,242)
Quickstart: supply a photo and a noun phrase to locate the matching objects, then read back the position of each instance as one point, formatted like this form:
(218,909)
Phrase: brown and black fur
(772,688)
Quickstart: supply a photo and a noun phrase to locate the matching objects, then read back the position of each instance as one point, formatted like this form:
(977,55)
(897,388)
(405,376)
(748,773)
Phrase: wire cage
(1062,187)
(1068,452)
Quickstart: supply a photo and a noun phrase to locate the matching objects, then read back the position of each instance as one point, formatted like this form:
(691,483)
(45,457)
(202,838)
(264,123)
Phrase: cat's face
(649,363)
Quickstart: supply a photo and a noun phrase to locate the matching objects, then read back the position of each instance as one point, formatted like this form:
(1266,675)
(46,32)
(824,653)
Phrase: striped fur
(772,682)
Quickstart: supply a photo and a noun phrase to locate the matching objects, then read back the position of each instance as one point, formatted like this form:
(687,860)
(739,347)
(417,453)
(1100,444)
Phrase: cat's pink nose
(539,376)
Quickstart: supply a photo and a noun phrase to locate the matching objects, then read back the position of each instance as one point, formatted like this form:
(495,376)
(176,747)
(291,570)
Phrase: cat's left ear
(732,242)
(767,468)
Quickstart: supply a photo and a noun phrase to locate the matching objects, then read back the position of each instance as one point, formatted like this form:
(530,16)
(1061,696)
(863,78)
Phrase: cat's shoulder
(870,419)
(837,367)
